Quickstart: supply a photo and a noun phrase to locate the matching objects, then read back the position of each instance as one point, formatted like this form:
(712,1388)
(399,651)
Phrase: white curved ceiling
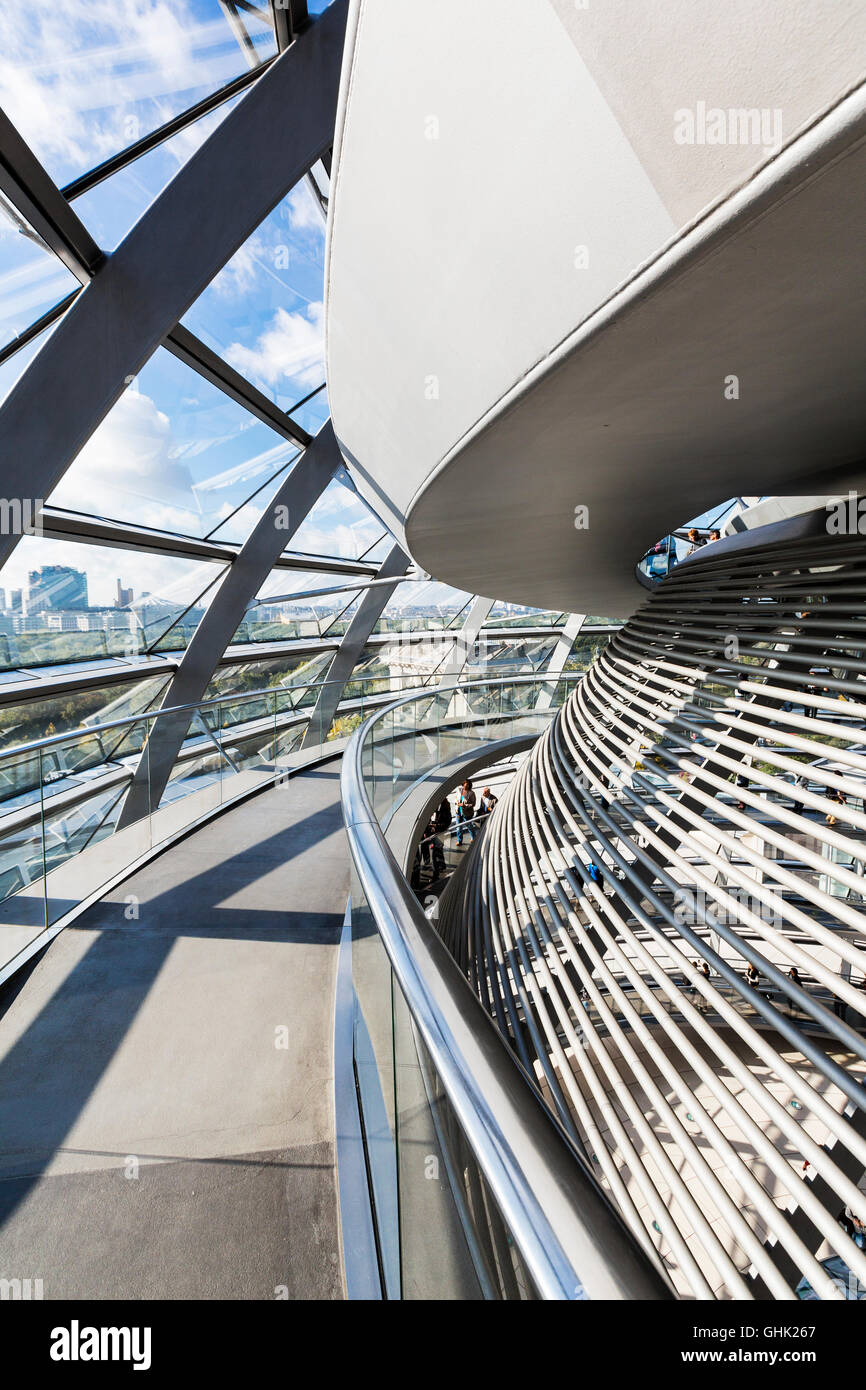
(535,292)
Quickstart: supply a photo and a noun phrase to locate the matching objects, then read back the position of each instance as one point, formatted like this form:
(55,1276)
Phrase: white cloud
(290,348)
(132,451)
(75,77)
(303,210)
(239,275)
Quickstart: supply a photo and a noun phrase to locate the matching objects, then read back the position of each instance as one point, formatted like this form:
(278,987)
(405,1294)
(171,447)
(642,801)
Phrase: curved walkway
(166,1097)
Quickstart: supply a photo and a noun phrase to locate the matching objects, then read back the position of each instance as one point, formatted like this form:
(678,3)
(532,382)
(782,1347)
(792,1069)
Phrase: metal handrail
(571,1237)
(85,730)
(428,692)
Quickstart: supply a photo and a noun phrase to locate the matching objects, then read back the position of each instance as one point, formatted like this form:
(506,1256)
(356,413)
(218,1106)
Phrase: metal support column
(255,560)
(464,642)
(369,612)
(559,656)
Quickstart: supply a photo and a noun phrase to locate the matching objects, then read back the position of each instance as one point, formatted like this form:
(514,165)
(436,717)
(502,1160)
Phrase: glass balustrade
(79,809)
(440,1232)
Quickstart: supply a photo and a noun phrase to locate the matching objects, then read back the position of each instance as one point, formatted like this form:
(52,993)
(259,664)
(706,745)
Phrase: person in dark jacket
(466,802)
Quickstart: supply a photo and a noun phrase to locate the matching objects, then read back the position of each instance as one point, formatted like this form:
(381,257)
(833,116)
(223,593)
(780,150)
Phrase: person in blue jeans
(466,802)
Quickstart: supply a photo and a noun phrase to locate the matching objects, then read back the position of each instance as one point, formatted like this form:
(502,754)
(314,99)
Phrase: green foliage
(345,725)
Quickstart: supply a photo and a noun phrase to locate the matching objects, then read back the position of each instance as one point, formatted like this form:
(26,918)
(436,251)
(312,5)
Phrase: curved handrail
(571,1237)
(238,696)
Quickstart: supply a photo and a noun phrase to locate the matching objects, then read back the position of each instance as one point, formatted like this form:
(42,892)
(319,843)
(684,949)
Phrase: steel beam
(464,642)
(300,491)
(27,186)
(149,142)
(369,612)
(290,17)
(559,656)
(169,257)
(196,354)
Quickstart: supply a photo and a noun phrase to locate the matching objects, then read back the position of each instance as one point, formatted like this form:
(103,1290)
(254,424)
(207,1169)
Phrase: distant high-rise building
(15,600)
(124,596)
(56,586)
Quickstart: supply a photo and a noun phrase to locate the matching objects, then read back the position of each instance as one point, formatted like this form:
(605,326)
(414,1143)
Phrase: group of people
(470,812)
(664,556)
(753,978)
(696,540)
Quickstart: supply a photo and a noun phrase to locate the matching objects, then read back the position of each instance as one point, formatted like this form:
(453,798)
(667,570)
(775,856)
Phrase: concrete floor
(166,1097)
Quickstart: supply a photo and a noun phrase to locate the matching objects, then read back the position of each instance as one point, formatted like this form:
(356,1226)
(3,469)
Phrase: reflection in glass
(25,723)
(263,313)
(176,454)
(32,278)
(61,601)
(339,525)
(81,83)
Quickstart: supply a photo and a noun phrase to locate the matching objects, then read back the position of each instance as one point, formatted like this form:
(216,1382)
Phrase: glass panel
(406,660)
(453,1241)
(15,366)
(85,782)
(22,878)
(491,657)
(249,749)
(517,615)
(339,525)
(417,607)
(374,1069)
(112,207)
(284,617)
(38,719)
(407,742)
(377,553)
(32,279)
(263,313)
(82,86)
(290,682)
(397,666)
(197,775)
(175,454)
(313,413)
(62,601)
(584,652)
(439,1229)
